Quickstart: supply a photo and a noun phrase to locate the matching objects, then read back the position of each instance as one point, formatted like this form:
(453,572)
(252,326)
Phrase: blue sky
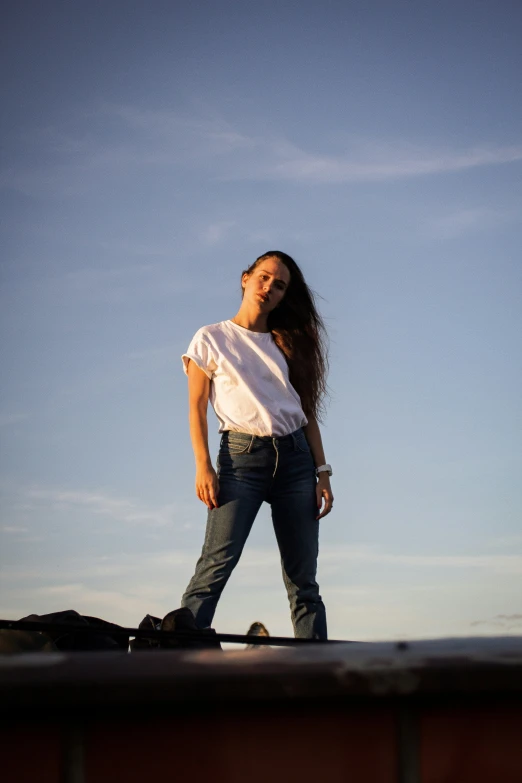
(151,152)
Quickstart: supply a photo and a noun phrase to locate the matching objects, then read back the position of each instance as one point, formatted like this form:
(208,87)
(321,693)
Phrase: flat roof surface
(377,670)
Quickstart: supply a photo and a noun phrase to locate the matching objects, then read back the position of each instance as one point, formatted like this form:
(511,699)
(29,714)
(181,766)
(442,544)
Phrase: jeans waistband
(247,436)
(267,440)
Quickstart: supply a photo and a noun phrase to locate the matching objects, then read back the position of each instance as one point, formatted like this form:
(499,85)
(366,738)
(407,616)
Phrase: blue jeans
(281,471)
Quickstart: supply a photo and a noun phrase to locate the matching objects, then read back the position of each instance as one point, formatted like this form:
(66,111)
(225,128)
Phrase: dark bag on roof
(96,634)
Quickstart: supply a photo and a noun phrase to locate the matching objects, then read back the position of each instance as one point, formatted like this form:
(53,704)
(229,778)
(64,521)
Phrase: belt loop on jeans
(252,439)
(274,444)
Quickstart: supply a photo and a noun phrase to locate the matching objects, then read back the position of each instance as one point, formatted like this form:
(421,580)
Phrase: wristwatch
(324,469)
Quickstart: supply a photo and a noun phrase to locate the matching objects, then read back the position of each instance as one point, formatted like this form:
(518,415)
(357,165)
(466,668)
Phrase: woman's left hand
(324,492)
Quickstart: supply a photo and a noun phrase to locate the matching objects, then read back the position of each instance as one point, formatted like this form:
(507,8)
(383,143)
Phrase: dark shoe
(149,623)
(257,629)
(182,621)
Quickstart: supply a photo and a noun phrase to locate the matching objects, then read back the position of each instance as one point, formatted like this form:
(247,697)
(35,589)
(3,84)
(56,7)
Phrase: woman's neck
(254,321)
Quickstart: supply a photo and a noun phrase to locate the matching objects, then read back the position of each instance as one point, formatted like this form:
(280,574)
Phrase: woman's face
(266,286)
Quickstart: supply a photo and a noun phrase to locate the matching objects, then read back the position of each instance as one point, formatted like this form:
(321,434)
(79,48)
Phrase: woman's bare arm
(324,489)
(207,485)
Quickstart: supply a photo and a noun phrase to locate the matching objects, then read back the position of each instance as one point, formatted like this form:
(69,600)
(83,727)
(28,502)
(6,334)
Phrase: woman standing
(265,374)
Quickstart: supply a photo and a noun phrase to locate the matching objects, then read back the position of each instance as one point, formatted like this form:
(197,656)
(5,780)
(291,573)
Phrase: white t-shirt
(250,390)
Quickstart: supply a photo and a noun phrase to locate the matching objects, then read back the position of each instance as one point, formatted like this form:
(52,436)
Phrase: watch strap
(324,469)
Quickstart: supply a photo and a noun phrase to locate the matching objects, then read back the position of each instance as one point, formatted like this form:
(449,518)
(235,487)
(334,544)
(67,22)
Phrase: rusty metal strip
(274,641)
(73,770)
(408,745)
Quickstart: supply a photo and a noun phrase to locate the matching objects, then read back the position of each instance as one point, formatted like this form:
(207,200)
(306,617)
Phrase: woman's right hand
(207,485)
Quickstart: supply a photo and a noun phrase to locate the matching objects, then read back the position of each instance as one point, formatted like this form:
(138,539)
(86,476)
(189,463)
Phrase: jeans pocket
(233,449)
(302,444)
(234,446)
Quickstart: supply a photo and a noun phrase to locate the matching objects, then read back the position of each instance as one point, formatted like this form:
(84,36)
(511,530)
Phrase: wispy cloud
(6,419)
(124,568)
(86,278)
(120,282)
(273,157)
(125,606)
(376,604)
(508,542)
(461,220)
(142,140)
(214,133)
(505,564)
(125,510)
(504,622)
(386,163)
(215,233)
(14,529)
(150,250)
(124,370)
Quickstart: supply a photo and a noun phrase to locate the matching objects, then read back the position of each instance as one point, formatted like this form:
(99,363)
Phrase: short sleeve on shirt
(201,352)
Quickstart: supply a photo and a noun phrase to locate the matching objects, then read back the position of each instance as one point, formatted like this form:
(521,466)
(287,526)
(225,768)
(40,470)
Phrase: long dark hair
(300,333)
